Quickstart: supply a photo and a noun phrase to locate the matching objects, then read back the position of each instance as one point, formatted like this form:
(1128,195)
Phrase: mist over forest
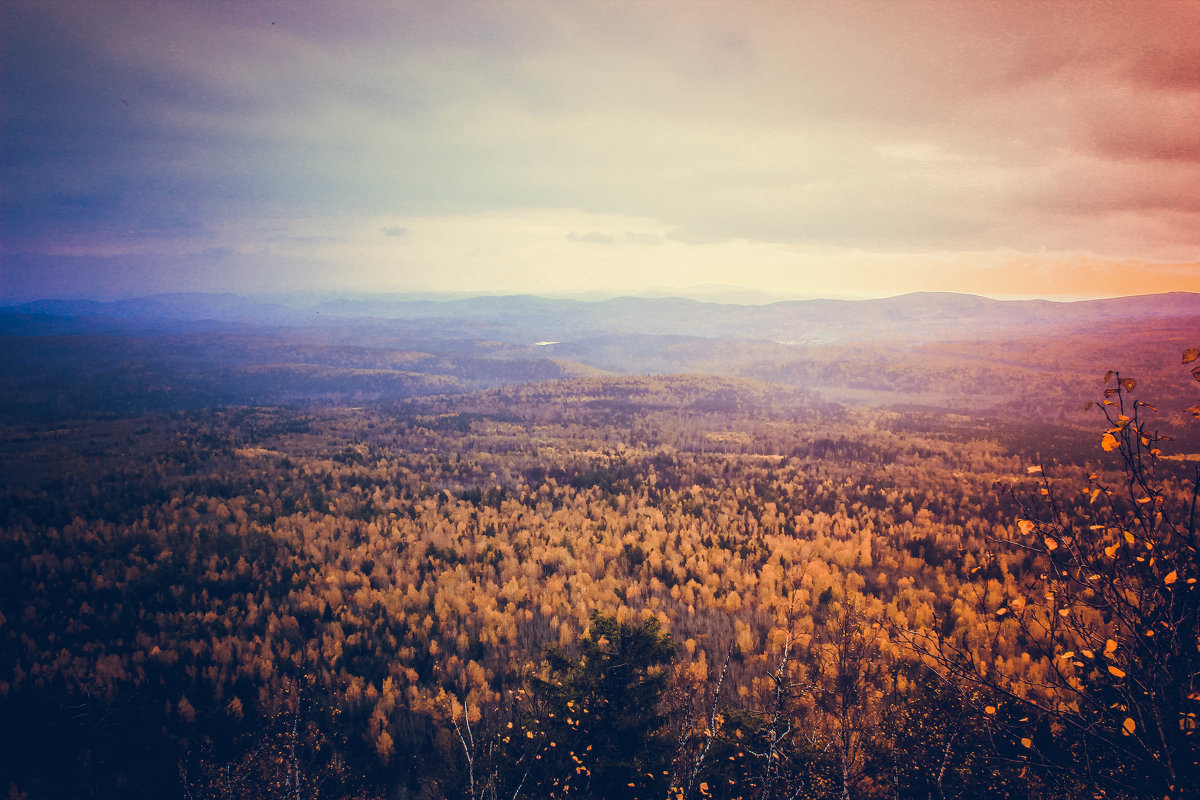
(957,352)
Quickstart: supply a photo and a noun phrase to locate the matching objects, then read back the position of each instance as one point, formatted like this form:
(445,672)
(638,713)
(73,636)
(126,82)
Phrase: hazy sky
(816,148)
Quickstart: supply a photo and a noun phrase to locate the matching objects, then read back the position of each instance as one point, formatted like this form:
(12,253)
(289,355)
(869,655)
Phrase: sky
(803,148)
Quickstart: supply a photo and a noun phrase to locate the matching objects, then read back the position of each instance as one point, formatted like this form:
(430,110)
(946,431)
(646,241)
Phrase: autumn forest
(939,575)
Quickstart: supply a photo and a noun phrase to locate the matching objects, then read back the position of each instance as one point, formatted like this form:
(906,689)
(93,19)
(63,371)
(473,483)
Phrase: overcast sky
(805,148)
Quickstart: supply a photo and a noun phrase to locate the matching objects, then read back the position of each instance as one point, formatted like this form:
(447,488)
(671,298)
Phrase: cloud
(213,253)
(925,126)
(1147,124)
(594,237)
(307,241)
(642,238)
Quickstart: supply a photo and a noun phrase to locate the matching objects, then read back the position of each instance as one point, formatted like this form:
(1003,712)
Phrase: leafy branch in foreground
(1100,601)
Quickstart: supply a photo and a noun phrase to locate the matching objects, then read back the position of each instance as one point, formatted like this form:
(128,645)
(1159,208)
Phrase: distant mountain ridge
(919,317)
(179,306)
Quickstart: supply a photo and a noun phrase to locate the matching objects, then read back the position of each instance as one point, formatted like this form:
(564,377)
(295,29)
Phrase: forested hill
(952,351)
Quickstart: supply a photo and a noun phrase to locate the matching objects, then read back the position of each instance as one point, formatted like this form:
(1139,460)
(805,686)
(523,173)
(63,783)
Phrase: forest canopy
(646,587)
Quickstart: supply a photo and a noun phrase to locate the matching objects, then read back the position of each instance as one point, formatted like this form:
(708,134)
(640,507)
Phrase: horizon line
(706,295)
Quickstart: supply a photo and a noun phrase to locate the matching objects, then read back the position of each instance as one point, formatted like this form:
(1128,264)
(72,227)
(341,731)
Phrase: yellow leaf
(1129,537)
(1117,672)
(1027,742)
(1111,550)
(1051,544)
(1172,576)
(1109,442)
(1129,725)
(1110,647)
(1025,526)
(1191,354)
(989,709)
(1034,470)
